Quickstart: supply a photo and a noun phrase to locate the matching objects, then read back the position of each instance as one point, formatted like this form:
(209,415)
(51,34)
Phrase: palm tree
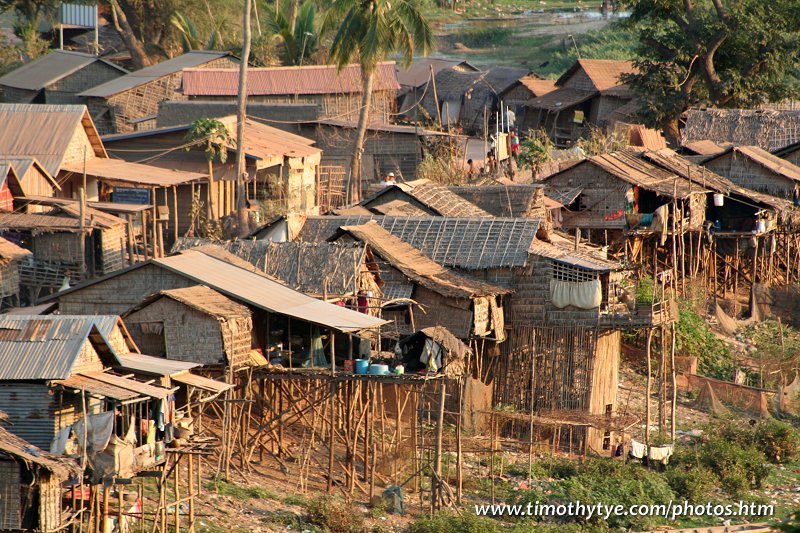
(299,38)
(368,32)
(190,38)
(216,137)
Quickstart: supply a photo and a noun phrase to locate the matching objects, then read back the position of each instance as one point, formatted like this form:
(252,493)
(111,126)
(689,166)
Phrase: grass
(239,492)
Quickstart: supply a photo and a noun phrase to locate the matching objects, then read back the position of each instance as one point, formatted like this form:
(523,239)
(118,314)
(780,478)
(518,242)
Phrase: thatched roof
(767,128)
(503,200)
(11,252)
(419,268)
(23,450)
(311,268)
(457,350)
(438,199)
(203,299)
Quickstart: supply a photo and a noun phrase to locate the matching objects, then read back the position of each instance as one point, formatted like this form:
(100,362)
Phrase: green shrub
(778,441)
(696,484)
(446,522)
(240,492)
(694,338)
(554,466)
(485,37)
(335,515)
(739,467)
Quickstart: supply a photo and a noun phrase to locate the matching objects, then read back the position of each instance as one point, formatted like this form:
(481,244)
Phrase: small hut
(196,324)
(757,169)
(57,77)
(448,353)
(523,91)
(11,256)
(769,129)
(130,103)
(467,307)
(30,485)
(587,94)
(421,199)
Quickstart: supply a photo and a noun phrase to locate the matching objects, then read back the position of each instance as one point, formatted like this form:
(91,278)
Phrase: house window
(564,272)
(607,440)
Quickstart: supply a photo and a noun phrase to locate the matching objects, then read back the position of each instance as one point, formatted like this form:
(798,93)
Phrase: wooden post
(332,413)
(674,384)
(155,222)
(436,98)
(175,214)
(436,478)
(105,524)
(648,387)
(178,494)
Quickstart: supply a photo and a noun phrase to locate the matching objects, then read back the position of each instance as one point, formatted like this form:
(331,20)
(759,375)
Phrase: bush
(334,515)
(605,481)
(485,37)
(696,484)
(553,466)
(739,467)
(694,338)
(446,522)
(778,441)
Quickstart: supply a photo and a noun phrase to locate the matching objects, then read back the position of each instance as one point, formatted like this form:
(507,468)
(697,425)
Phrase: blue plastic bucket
(362,365)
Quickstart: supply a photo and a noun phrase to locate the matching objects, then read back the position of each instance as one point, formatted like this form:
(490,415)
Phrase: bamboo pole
(648,387)
(674,382)
(436,478)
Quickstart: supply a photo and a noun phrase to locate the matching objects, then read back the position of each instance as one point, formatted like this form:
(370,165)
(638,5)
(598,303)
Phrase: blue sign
(131,195)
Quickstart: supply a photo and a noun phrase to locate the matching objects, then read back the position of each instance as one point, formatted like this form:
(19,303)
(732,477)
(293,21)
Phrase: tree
(369,31)
(190,38)
(144,26)
(725,53)
(299,39)
(215,137)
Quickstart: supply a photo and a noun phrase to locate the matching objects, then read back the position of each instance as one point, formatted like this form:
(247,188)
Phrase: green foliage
(446,522)
(644,289)
(485,37)
(599,142)
(603,481)
(694,483)
(190,39)
(615,41)
(535,151)
(335,515)
(694,338)
(239,492)
(739,468)
(791,524)
(300,40)
(216,137)
(371,30)
(692,53)
(779,441)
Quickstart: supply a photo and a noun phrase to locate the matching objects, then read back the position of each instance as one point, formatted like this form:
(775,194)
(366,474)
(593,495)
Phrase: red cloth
(363,304)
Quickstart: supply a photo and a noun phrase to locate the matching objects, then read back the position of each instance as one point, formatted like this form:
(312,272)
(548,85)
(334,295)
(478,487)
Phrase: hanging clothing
(660,454)
(98,430)
(660,219)
(580,294)
(431,355)
(638,449)
(59,444)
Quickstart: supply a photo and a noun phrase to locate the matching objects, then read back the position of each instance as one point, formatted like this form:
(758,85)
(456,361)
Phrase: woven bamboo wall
(92,75)
(9,279)
(117,295)
(50,515)
(12,95)
(10,495)
(112,244)
(744,172)
(237,338)
(63,248)
(602,197)
(454,314)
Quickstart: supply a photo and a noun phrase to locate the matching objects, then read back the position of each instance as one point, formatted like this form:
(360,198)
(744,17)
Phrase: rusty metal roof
(146,75)
(44,132)
(260,291)
(44,347)
(538,86)
(50,68)
(310,79)
(116,170)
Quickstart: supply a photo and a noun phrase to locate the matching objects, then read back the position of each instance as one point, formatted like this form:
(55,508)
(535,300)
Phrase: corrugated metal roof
(419,72)
(419,268)
(438,198)
(470,243)
(44,132)
(156,366)
(41,347)
(310,79)
(146,75)
(201,382)
(264,293)
(50,68)
(129,384)
(123,171)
